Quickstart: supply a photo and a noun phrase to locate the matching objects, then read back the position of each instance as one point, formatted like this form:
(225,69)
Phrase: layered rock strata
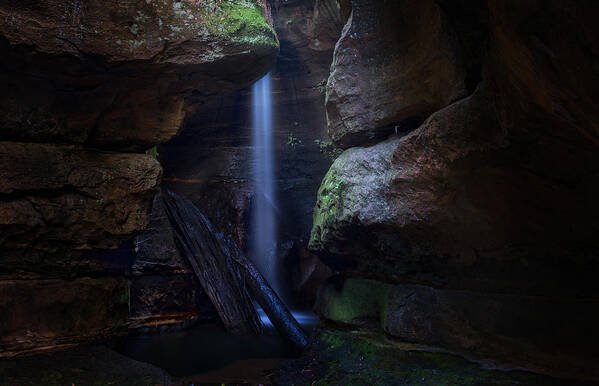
(89,86)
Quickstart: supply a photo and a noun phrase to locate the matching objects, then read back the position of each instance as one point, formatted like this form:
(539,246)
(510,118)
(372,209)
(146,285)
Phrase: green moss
(237,21)
(359,299)
(153,152)
(332,341)
(241,22)
(293,141)
(328,148)
(330,193)
(358,358)
(329,203)
(322,86)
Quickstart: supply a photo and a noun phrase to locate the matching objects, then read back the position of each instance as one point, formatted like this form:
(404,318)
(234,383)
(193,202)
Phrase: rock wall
(164,291)
(366,94)
(89,86)
(481,218)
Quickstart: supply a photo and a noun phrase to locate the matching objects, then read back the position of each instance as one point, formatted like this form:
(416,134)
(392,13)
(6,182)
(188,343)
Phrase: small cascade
(263,241)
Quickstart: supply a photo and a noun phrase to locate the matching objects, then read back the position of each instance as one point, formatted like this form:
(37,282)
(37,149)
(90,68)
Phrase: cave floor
(334,358)
(84,365)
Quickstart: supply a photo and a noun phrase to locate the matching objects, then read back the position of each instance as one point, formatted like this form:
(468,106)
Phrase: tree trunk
(274,308)
(218,275)
(198,239)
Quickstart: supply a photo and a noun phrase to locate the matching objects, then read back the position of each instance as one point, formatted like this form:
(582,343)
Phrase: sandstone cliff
(88,87)
(480,213)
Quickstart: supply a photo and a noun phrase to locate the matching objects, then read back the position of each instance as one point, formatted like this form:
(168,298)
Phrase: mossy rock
(353,301)
(353,196)
(241,22)
(357,358)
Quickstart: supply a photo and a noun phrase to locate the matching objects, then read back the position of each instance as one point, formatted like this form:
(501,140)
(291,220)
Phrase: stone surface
(473,190)
(359,358)
(87,365)
(306,275)
(165,293)
(488,205)
(453,319)
(82,80)
(118,76)
(57,200)
(189,32)
(543,62)
(168,302)
(353,193)
(155,248)
(41,315)
(396,63)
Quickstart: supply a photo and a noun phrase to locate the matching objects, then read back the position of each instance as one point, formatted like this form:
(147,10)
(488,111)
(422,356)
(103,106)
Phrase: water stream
(263,234)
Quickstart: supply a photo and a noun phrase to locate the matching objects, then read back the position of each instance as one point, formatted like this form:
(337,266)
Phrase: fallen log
(199,238)
(268,299)
(217,274)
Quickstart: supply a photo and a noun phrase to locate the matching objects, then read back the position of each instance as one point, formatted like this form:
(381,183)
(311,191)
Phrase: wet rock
(155,248)
(543,61)
(449,202)
(356,302)
(353,193)
(188,32)
(168,302)
(395,63)
(315,25)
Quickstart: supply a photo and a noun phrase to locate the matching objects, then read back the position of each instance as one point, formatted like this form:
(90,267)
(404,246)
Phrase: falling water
(263,240)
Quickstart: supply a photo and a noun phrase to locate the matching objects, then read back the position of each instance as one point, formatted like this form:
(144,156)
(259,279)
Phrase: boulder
(395,63)
(485,211)
(448,203)
(353,195)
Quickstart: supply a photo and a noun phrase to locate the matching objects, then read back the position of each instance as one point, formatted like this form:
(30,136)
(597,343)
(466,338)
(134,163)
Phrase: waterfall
(263,241)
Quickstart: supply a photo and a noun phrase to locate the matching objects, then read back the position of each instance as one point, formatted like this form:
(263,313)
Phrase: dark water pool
(206,348)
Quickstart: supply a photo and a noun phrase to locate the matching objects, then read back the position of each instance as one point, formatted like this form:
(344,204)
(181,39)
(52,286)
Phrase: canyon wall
(88,87)
(462,214)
